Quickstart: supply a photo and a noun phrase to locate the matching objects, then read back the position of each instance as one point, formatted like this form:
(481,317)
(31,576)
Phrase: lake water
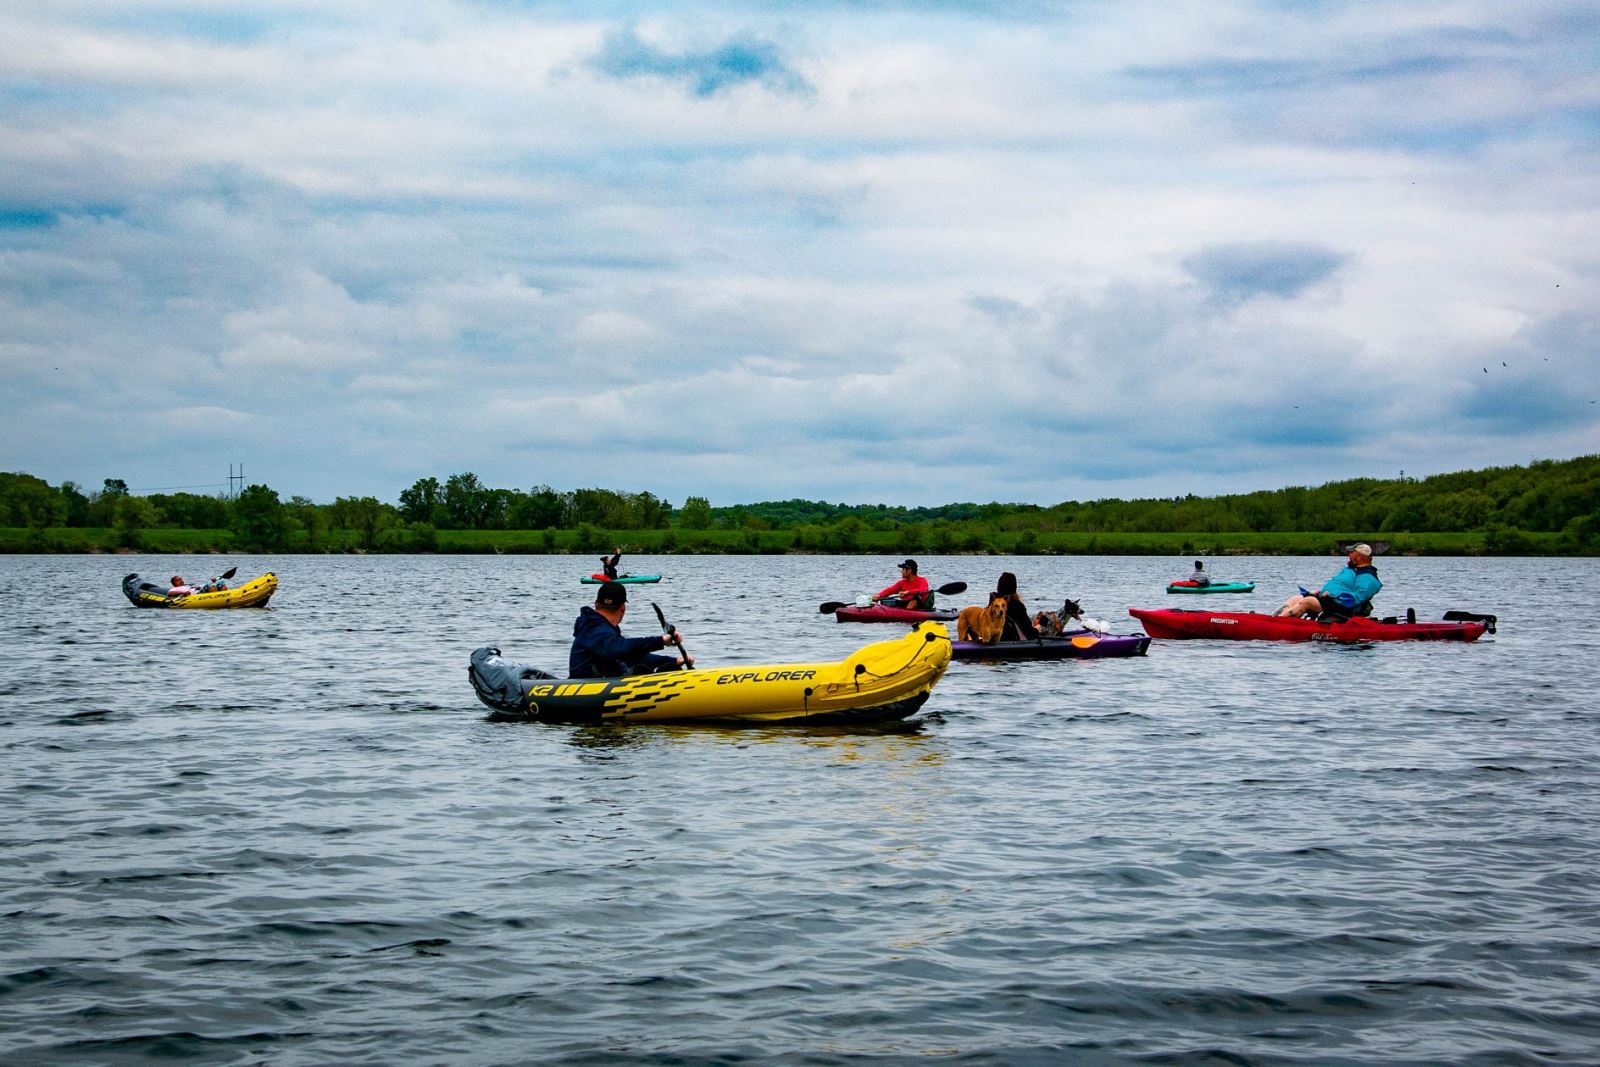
(291,837)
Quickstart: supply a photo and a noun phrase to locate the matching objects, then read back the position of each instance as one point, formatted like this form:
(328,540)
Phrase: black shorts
(1330,605)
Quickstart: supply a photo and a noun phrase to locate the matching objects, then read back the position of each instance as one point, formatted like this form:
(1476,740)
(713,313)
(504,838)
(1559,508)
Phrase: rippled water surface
(290,836)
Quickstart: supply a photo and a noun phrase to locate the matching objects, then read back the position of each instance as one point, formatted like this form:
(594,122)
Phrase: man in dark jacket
(600,651)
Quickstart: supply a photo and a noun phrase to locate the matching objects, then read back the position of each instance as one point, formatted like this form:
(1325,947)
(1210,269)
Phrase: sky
(863,251)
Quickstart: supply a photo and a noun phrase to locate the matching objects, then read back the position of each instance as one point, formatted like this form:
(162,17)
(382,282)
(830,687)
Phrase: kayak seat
(1362,610)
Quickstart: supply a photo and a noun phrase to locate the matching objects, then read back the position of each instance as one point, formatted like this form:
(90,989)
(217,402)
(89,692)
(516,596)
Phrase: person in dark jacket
(608,564)
(600,651)
(1019,626)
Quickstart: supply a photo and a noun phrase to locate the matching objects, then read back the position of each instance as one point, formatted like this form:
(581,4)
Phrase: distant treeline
(1546,507)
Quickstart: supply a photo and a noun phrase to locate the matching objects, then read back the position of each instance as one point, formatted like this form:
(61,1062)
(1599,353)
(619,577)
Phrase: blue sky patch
(737,61)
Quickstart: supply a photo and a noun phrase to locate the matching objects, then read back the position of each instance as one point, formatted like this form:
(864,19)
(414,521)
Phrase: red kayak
(1254,626)
(885,613)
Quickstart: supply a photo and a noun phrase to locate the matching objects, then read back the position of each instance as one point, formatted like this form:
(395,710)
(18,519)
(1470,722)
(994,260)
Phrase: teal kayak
(625,579)
(1214,587)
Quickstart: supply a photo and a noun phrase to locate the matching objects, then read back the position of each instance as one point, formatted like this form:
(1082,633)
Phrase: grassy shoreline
(909,540)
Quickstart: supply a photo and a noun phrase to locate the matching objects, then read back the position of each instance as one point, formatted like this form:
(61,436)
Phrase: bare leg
(1298,606)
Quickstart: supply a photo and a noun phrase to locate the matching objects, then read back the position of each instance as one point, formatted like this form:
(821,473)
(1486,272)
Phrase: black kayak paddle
(671,633)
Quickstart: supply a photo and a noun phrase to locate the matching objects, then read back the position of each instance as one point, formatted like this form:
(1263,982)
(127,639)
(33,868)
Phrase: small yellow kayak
(881,682)
(252,594)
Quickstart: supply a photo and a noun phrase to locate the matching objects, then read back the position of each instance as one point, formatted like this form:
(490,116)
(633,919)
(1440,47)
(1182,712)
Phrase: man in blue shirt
(1345,594)
(600,651)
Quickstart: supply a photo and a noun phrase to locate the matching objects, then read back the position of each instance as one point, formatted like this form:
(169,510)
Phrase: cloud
(886,251)
(1238,272)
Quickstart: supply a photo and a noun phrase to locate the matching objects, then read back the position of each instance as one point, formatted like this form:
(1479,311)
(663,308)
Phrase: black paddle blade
(828,607)
(952,589)
(229,573)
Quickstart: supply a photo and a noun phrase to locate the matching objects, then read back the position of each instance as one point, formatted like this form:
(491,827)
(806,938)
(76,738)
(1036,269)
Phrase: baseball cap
(611,594)
(909,563)
(1363,549)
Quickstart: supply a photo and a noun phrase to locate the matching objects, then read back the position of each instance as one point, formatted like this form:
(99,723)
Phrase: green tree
(539,509)
(191,511)
(103,505)
(29,501)
(465,501)
(911,540)
(368,517)
(131,516)
(77,504)
(311,518)
(1502,540)
(1581,534)
(695,514)
(845,535)
(423,502)
(593,539)
(258,518)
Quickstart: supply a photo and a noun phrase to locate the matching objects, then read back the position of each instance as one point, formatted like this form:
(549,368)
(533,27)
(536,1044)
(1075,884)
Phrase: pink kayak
(884,613)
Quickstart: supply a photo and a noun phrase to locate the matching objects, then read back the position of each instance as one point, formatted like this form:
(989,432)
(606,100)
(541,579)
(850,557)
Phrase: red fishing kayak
(1254,626)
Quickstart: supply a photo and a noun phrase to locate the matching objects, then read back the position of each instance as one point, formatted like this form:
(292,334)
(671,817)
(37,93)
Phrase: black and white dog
(1052,623)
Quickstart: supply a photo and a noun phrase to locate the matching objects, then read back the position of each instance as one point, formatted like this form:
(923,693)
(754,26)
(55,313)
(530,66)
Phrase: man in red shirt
(911,591)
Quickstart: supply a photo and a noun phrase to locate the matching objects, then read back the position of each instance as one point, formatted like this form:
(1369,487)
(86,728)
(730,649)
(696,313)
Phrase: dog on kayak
(984,624)
(1054,623)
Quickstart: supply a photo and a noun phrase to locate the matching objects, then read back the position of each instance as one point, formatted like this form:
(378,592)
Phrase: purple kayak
(1074,644)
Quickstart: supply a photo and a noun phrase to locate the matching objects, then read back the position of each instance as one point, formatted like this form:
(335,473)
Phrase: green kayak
(625,579)
(1214,587)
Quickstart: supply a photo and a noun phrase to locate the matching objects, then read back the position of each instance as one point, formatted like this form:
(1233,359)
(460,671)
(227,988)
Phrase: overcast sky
(899,252)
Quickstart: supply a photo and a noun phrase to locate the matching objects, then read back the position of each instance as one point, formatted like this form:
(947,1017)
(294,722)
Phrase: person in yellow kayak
(600,651)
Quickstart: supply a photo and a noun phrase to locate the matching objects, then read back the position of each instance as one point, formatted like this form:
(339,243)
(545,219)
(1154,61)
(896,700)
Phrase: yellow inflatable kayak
(882,682)
(252,594)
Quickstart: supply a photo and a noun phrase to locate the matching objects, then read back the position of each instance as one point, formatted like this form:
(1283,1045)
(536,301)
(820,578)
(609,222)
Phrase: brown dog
(984,624)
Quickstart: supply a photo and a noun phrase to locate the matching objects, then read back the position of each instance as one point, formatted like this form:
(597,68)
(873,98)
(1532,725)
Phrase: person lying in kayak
(1019,625)
(608,564)
(600,651)
(180,587)
(911,591)
(1346,594)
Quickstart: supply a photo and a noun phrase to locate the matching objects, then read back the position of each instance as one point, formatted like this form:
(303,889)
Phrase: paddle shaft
(672,632)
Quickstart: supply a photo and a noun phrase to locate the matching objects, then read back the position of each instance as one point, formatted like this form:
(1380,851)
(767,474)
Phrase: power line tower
(235,481)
